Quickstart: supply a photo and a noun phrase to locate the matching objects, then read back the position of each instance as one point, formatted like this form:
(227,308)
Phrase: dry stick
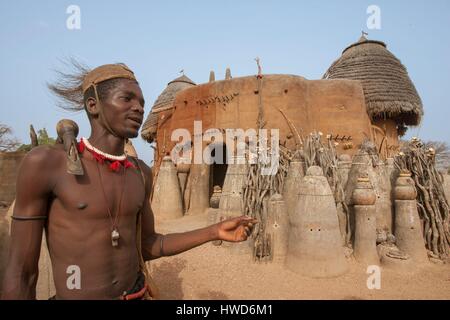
(258,188)
(427,228)
(325,156)
(189,191)
(297,136)
(433,243)
(440,205)
(441,237)
(435,208)
(441,196)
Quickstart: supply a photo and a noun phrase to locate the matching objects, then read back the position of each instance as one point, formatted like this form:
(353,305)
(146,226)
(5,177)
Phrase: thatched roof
(388,90)
(163,103)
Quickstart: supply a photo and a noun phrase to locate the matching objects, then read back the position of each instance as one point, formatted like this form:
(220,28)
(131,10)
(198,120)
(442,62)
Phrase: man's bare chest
(100,192)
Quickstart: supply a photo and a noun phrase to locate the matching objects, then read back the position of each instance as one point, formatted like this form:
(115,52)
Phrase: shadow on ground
(167,277)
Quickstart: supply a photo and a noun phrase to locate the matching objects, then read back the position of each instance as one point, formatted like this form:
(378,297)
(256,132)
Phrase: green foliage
(24,147)
(43,139)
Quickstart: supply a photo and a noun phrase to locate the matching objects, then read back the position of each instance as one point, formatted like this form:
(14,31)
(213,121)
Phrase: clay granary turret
(347,124)
(163,104)
(391,98)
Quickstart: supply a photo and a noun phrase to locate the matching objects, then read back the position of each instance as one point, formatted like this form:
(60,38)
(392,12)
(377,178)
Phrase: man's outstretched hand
(235,229)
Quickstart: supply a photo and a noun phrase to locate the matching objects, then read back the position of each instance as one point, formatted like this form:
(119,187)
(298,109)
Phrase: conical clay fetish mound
(363,165)
(292,184)
(166,202)
(278,227)
(314,247)
(233,186)
(199,189)
(365,242)
(408,230)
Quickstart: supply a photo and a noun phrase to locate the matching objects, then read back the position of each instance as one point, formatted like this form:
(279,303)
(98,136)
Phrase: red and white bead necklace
(115,161)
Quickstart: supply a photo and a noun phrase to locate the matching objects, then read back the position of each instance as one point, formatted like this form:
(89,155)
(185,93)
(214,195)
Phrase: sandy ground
(211,272)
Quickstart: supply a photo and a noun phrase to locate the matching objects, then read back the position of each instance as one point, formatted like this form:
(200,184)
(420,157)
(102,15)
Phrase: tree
(442,153)
(7,144)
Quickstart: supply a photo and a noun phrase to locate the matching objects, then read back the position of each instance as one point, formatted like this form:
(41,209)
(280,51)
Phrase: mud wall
(334,107)
(9,165)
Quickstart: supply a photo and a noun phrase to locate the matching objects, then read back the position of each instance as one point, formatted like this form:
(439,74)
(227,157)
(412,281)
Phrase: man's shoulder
(41,166)
(144,166)
(45,156)
(141,165)
(146,170)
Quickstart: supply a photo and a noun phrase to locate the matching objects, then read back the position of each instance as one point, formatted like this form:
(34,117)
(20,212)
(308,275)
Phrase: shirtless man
(90,220)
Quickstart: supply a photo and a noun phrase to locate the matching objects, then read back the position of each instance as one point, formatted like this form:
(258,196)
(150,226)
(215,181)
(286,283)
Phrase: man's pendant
(115,237)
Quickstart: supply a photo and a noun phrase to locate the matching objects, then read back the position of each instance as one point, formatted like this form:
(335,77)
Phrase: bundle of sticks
(323,154)
(432,204)
(259,188)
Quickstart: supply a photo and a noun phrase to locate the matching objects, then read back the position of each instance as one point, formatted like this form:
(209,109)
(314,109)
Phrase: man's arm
(155,245)
(33,189)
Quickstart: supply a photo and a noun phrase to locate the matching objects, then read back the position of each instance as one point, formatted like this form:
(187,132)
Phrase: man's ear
(92,107)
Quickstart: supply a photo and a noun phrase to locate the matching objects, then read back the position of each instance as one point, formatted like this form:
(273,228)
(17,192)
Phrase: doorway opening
(218,167)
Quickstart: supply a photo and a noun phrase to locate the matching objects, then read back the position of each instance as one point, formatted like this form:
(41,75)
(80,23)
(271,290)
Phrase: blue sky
(159,38)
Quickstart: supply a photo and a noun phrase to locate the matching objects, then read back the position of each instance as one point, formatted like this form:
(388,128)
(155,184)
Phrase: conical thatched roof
(388,90)
(163,103)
